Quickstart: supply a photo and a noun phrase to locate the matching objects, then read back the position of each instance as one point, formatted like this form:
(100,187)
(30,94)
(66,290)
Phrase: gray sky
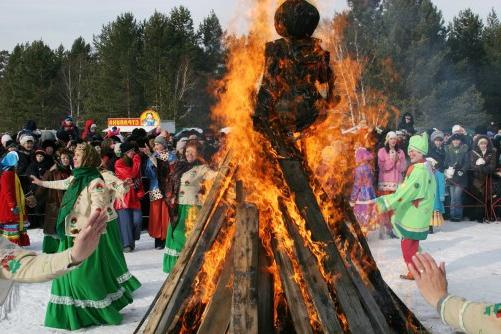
(61,21)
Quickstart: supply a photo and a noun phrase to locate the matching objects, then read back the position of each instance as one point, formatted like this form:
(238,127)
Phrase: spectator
(407,124)
(128,168)
(68,126)
(30,129)
(13,219)
(158,171)
(363,194)
(61,170)
(89,130)
(483,163)
(437,219)
(49,146)
(456,166)
(391,165)
(467,316)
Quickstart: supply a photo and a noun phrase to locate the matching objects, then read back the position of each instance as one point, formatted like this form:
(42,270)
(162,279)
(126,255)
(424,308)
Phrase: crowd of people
(56,179)
(466,166)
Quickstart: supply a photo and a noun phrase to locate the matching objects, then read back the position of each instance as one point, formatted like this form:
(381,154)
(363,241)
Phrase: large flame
(329,149)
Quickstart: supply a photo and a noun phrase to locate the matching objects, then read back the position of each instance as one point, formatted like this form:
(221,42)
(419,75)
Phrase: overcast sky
(61,21)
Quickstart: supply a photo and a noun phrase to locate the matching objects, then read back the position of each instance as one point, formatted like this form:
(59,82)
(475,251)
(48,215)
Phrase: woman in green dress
(95,292)
(187,181)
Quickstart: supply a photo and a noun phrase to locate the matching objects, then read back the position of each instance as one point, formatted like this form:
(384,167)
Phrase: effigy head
(296,19)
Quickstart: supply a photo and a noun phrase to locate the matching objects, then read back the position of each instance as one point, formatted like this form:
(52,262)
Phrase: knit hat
(10,160)
(389,135)
(457,129)
(93,126)
(48,143)
(5,139)
(436,134)
(181,144)
(41,152)
(26,138)
(161,140)
(419,143)
(362,154)
(10,144)
(126,147)
(457,136)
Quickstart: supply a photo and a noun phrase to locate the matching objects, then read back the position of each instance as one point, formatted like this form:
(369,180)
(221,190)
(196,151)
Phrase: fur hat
(126,147)
(161,140)
(41,152)
(457,129)
(419,143)
(457,136)
(5,138)
(48,143)
(26,138)
(436,134)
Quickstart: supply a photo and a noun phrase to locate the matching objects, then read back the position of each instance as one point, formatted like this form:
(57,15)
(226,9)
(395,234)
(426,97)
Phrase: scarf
(82,177)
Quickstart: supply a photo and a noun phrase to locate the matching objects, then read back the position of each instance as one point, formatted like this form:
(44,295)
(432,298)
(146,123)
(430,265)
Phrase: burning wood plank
(244,314)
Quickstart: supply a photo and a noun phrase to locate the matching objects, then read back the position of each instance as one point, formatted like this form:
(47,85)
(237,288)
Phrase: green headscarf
(82,177)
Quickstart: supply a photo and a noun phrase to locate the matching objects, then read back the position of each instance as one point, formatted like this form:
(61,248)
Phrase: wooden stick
(217,314)
(244,314)
(297,307)
(218,189)
(266,294)
(316,284)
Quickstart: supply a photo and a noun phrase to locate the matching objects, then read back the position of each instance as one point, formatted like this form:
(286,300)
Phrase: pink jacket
(390,171)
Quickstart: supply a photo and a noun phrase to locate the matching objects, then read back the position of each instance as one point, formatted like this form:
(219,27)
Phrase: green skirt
(96,291)
(176,237)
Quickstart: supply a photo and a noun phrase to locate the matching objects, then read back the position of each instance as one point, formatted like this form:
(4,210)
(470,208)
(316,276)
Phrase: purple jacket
(390,171)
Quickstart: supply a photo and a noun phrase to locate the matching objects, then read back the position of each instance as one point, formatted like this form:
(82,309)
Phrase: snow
(471,252)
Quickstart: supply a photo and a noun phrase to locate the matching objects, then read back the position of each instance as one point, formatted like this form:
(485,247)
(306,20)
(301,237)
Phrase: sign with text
(124,122)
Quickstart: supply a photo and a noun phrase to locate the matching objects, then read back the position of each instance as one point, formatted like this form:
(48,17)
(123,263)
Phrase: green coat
(412,203)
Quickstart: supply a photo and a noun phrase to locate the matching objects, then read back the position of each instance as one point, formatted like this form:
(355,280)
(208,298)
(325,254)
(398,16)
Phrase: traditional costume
(188,180)
(363,194)
(94,293)
(13,219)
(412,203)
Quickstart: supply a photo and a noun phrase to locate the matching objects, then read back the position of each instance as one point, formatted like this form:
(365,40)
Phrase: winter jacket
(409,127)
(412,203)
(438,154)
(390,171)
(52,198)
(458,158)
(131,174)
(481,172)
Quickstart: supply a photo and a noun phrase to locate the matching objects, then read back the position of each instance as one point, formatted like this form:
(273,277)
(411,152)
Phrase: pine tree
(116,87)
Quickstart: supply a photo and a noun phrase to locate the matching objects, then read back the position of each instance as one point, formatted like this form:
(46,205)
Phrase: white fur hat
(5,138)
(26,138)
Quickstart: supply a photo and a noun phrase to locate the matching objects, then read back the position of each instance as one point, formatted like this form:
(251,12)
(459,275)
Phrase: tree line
(163,62)
(442,74)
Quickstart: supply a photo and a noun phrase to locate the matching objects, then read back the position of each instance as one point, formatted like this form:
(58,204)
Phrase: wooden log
(346,292)
(266,295)
(297,307)
(217,315)
(317,286)
(179,282)
(244,311)
(152,318)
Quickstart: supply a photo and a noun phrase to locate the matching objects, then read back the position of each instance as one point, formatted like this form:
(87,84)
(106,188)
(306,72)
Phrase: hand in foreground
(88,238)
(430,278)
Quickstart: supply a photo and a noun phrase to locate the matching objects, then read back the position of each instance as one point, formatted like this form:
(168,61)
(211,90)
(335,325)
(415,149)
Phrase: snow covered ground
(471,251)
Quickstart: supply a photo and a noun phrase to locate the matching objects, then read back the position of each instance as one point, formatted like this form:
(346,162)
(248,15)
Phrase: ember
(294,259)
